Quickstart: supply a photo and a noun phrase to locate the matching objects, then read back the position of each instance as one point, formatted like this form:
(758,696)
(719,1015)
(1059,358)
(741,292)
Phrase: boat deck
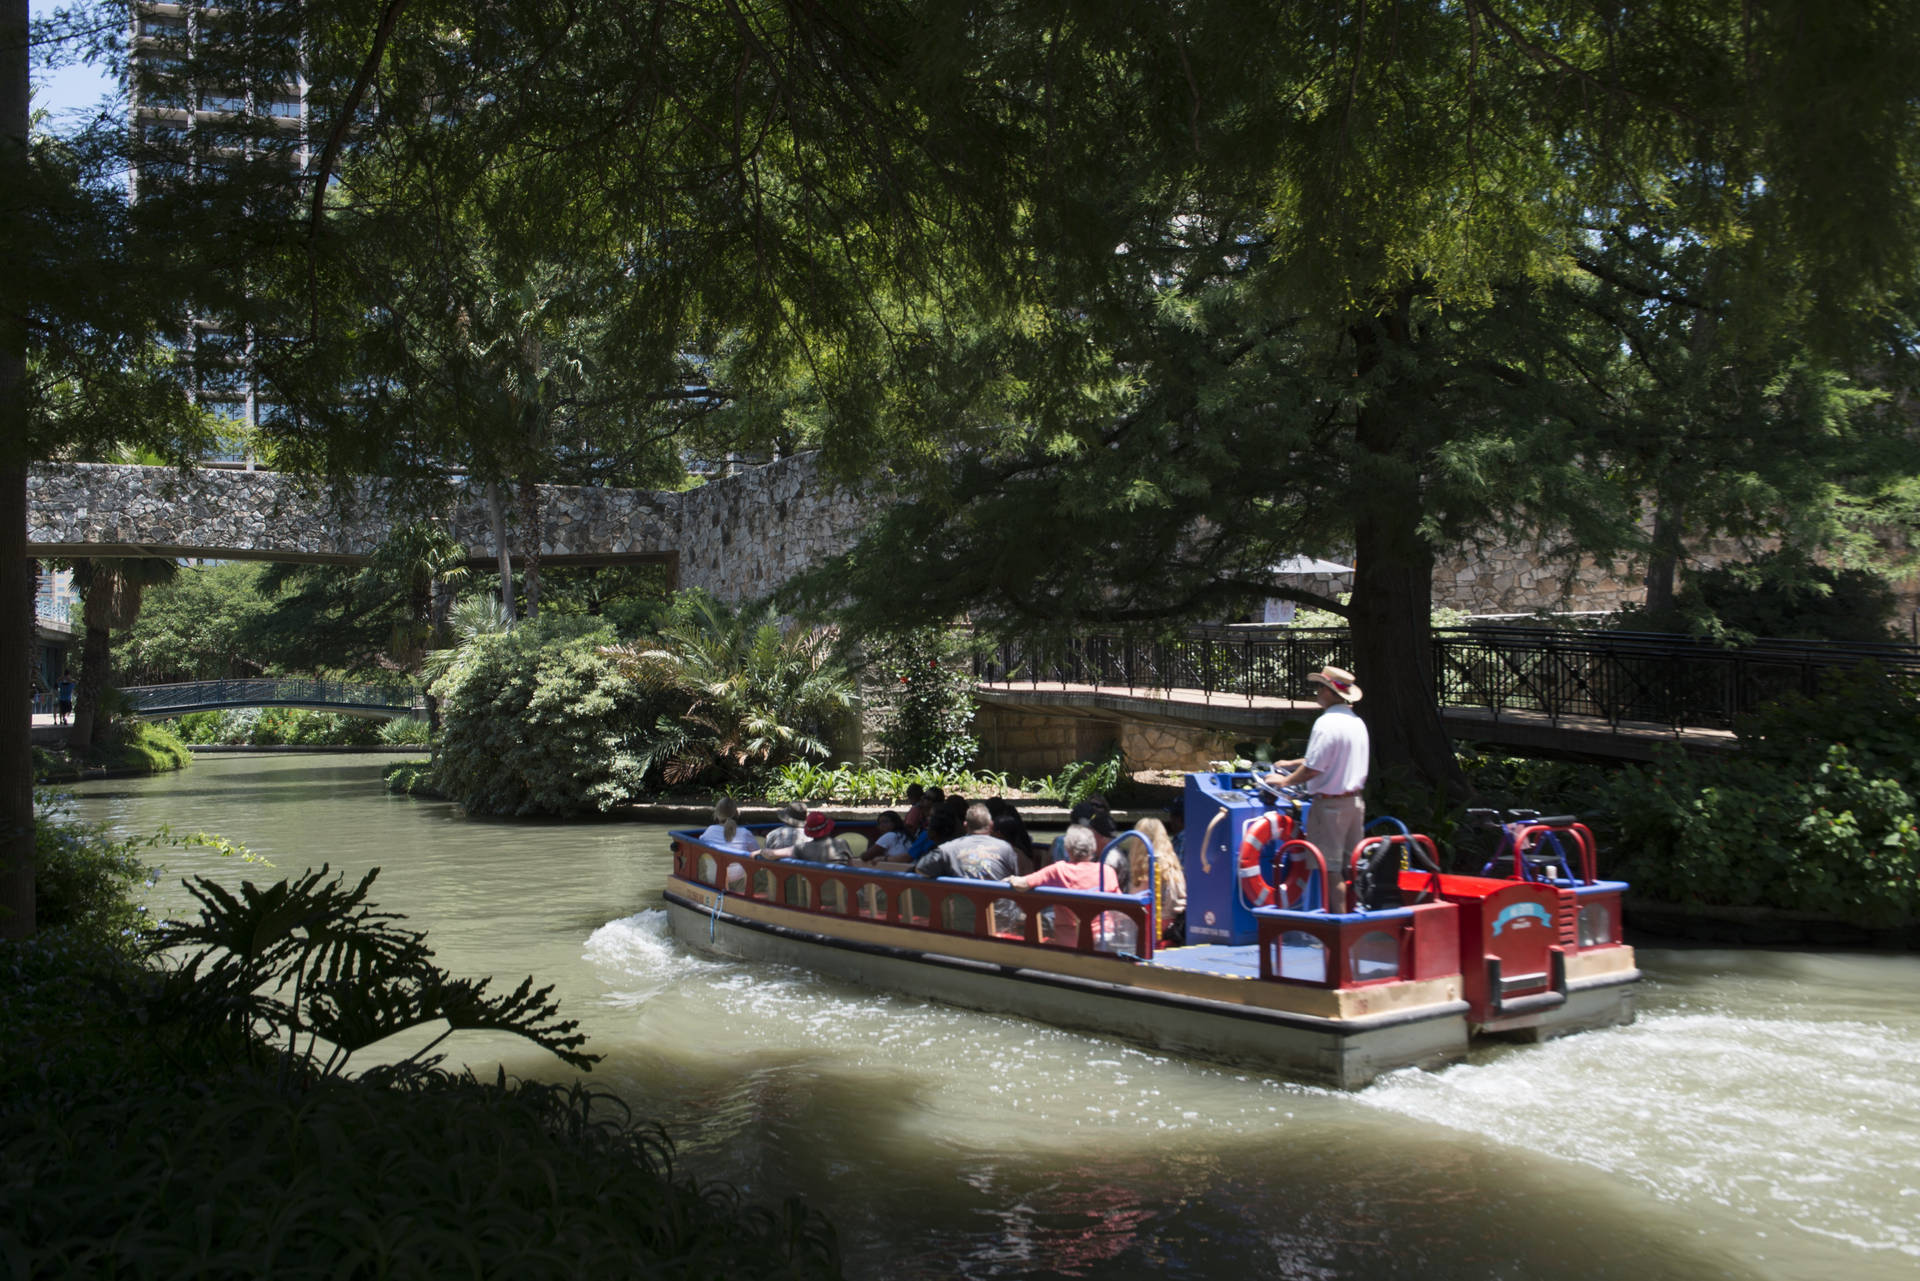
(1211,958)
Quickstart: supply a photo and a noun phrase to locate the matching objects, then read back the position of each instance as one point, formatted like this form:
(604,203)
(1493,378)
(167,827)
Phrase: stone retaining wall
(1027,743)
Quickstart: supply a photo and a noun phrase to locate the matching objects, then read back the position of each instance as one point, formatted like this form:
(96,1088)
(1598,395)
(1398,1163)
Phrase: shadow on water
(1734,1132)
(1323,1190)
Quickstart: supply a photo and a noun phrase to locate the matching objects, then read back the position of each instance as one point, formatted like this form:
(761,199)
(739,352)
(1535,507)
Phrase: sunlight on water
(1758,1123)
(1805,1126)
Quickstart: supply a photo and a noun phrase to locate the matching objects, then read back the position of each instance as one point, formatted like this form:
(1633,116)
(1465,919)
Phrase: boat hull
(1097,998)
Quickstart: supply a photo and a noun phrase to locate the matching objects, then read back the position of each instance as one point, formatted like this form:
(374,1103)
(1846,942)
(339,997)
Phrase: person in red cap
(821,845)
(1334,770)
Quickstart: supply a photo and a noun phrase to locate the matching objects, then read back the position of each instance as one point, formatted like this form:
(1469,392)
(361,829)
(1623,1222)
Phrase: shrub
(539,721)
(1816,812)
(929,701)
(865,785)
(406,731)
(84,879)
(409,777)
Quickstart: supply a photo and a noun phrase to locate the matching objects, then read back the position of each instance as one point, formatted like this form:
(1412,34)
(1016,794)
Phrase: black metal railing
(194,695)
(1620,678)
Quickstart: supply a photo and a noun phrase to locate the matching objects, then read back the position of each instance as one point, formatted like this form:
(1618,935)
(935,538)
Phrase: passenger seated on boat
(1076,817)
(977,856)
(821,845)
(1168,876)
(1080,870)
(1010,829)
(890,842)
(941,826)
(1116,859)
(793,817)
(725,832)
(916,815)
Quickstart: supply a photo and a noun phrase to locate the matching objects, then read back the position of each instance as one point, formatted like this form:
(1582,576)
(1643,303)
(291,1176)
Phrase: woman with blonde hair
(1168,876)
(725,832)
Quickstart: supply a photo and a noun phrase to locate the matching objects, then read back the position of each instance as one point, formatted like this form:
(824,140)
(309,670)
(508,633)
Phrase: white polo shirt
(1337,750)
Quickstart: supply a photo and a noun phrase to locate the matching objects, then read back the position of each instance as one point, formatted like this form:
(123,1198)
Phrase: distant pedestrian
(64,714)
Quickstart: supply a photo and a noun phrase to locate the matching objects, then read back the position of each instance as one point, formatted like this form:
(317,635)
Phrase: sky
(70,93)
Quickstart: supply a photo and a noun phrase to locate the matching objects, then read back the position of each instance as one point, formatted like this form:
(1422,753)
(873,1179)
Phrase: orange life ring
(1270,829)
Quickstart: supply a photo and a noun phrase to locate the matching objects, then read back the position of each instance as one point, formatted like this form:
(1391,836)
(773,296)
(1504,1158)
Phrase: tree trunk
(16,607)
(497,512)
(96,586)
(531,523)
(1663,560)
(1392,608)
(17,918)
(1393,656)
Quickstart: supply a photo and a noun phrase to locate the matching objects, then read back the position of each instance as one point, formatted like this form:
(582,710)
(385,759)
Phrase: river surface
(1761,1120)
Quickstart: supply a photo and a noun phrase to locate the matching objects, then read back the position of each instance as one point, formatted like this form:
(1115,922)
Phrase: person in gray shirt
(792,830)
(979,855)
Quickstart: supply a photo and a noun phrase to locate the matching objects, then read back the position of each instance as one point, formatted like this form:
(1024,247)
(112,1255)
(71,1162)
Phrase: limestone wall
(744,536)
(1029,743)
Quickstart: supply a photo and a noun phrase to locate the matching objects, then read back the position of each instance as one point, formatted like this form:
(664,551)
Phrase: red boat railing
(1102,924)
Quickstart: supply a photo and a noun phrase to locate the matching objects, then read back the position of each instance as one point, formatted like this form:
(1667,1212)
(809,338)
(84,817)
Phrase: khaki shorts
(1335,825)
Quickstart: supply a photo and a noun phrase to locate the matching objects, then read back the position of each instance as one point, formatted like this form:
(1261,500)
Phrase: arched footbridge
(382,702)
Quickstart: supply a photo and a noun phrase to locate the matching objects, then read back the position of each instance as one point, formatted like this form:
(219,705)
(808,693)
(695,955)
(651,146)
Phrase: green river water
(1760,1120)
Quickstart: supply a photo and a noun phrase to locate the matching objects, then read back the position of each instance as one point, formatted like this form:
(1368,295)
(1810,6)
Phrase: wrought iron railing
(190,695)
(1619,678)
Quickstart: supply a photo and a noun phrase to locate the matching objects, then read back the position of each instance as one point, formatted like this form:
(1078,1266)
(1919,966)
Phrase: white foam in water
(642,947)
(1798,1123)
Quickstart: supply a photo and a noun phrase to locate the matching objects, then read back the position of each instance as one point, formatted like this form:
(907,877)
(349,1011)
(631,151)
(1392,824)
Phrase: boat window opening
(916,908)
(957,914)
(1596,925)
(1008,920)
(833,898)
(1302,958)
(1114,932)
(1374,955)
(798,893)
(873,902)
(709,870)
(763,884)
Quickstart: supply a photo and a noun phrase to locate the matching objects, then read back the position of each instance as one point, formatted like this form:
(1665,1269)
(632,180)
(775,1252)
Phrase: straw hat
(1339,681)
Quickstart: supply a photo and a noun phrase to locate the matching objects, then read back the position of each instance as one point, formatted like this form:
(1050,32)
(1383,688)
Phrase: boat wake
(1800,1124)
(639,958)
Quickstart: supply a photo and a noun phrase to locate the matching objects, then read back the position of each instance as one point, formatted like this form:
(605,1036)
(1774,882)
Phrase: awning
(1294,566)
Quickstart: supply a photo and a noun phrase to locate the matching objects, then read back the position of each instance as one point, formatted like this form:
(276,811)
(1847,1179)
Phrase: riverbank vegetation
(1818,811)
(295,726)
(152,1072)
(123,746)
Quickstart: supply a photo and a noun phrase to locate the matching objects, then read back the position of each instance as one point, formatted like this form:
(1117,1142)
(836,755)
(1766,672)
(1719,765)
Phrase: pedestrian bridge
(1175,702)
(382,702)
(740,537)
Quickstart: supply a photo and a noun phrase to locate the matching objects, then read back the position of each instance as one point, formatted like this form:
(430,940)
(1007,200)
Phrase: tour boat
(1326,973)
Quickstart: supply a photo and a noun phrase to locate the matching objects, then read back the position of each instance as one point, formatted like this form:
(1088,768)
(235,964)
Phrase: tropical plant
(406,731)
(306,973)
(747,692)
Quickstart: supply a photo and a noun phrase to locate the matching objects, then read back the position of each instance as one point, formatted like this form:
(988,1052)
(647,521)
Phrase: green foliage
(203,625)
(408,778)
(453,1177)
(741,693)
(305,973)
(406,731)
(142,745)
(846,784)
(1780,595)
(1816,812)
(85,878)
(1101,776)
(179,1077)
(540,720)
(928,693)
(278,726)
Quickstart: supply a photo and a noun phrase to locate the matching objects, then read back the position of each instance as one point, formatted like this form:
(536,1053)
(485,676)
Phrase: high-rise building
(214,84)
